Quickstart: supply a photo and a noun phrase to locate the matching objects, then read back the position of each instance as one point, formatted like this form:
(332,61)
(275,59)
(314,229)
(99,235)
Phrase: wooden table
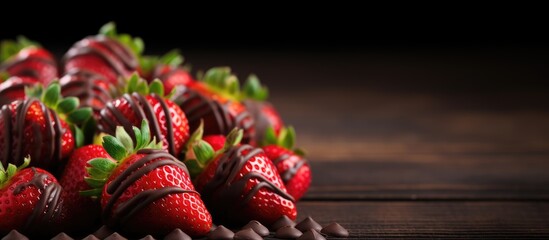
(444,144)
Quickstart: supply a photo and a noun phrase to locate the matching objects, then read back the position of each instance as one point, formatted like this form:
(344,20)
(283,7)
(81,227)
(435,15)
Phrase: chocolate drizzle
(27,71)
(197,106)
(84,85)
(48,207)
(116,55)
(224,186)
(152,160)
(290,172)
(47,144)
(111,117)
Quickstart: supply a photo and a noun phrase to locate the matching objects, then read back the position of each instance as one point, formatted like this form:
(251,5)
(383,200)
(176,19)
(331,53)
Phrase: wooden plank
(427,220)
(498,178)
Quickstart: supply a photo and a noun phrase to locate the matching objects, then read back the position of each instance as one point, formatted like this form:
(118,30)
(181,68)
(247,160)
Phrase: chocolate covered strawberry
(168,123)
(29,200)
(216,101)
(168,69)
(73,181)
(94,66)
(264,113)
(290,163)
(23,63)
(238,183)
(147,191)
(39,127)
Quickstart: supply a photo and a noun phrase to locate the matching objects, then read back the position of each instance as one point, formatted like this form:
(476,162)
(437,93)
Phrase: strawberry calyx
(199,153)
(140,85)
(221,81)
(6,174)
(119,147)
(285,139)
(252,89)
(10,48)
(66,107)
(135,44)
(172,58)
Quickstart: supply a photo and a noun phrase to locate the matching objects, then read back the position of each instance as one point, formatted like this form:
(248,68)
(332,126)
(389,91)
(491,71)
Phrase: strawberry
(72,180)
(29,200)
(14,88)
(264,113)
(108,54)
(28,61)
(216,101)
(92,89)
(147,191)
(242,176)
(168,122)
(168,69)
(40,128)
(290,163)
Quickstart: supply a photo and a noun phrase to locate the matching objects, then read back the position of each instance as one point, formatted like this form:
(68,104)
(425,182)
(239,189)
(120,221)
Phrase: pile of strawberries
(114,137)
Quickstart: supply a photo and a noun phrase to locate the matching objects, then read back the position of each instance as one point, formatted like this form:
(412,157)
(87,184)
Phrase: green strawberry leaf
(68,105)
(114,147)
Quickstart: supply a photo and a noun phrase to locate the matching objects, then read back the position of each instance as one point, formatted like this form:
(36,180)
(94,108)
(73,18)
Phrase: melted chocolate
(282,222)
(48,207)
(257,227)
(177,234)
(46,149)
(111,117)
(308,224)
(288,232)
(290,172)
(83,85)
(221,233)
(335,230)
(197,107)
(116,55)
(247,234)
(129,176)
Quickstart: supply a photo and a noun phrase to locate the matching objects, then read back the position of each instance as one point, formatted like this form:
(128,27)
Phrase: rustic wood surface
(449,144)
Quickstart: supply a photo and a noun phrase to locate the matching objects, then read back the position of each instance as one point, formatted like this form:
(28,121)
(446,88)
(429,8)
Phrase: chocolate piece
(335,230)
(177,234)
(48,206)
(219,118)
(257,227)
(111,117)
(45,151)
(288,232)
(62,236)
(224,186)
(103,232)
(307,224)
(148,237)
(311,235)
(282,222)
(115,236)
(15,235)
(247,234)
(90,237)
(221,233)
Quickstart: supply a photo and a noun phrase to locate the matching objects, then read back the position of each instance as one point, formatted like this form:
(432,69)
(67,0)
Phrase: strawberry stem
(285,139)
(139,85)
(134,43)
(10,48)
(6,174)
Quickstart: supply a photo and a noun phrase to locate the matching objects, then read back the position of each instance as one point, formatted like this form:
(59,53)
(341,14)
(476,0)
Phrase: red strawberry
(72,180)
(242,176)
(92,89)
(148,191)
(14,88)
(293,168)
(216,102)
(168,123)
(108,54)
(29,200)
(28,61)
(36,127)
(168,70)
